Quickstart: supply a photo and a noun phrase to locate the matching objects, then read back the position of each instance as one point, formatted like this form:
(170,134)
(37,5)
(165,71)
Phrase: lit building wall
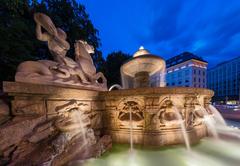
(224,80)
(184,70)
(191,73)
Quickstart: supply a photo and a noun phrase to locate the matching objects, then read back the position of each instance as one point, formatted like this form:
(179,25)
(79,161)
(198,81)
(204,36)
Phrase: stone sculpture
(129,106)
(63,70)
(166,116)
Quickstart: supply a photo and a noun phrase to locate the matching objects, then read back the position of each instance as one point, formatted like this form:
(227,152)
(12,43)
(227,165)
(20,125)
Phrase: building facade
(185,70)
(224,80)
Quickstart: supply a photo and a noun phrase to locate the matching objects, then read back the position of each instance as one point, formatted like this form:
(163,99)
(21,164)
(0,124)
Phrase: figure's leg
(100,75)
(82,76)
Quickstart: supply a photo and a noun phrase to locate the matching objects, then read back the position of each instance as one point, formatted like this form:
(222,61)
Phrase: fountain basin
(154,114)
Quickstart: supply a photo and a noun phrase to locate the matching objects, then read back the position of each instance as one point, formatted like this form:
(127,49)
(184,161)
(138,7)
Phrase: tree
(17,41)
(112,66)
(17,30)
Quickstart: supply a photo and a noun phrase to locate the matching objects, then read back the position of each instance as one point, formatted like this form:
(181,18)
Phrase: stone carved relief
(194,110)
(129,106)
(62,70)
(71,118)
(166,117)
(73,123)
(28,107)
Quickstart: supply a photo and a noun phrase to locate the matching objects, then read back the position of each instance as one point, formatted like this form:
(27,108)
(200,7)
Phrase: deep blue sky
(209,28)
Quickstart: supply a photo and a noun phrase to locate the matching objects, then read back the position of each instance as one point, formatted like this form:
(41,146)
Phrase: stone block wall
(48,121)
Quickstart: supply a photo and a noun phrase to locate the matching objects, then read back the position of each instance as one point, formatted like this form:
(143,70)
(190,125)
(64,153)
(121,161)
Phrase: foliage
(112,67)
(17,31)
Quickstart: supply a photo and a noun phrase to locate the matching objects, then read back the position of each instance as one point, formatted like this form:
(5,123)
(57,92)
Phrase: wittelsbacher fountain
(62,112)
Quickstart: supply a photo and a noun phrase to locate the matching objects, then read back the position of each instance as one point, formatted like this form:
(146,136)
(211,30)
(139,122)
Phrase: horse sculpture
(63,70)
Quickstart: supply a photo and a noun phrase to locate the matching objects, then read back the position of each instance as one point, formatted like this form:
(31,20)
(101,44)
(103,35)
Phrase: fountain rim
(157,60)
(159,91)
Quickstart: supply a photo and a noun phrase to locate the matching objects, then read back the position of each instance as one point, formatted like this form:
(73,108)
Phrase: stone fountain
(61,110)
(154,110)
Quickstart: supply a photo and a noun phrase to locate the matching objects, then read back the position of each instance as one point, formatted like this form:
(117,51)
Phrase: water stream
(210,122)
(79,121)
(183,128)
(131,130)
(217,116)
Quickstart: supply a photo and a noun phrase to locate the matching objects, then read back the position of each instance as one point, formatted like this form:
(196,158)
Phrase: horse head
(85,45)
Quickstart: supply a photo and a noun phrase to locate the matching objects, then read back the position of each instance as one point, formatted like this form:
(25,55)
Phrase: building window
(194,79)
(179,74)
(194,71)
(199,79)
(203,73)
(199,72)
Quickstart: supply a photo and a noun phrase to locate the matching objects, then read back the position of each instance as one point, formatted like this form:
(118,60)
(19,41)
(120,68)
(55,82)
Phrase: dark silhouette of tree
(112,67)
(18,42)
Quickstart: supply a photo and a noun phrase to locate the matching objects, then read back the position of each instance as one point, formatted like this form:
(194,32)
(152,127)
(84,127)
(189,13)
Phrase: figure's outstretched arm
(40,35)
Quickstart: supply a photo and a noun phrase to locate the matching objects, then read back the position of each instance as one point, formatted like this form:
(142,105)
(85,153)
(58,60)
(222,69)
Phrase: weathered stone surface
(98,105)
(28,107)
(41,132)
(8,151)
(77,151)
(49,92)
(96,120)
(4,109)
(103,145)
(4,119)
(34,155)
(23,149)
(54,105)
(13,131)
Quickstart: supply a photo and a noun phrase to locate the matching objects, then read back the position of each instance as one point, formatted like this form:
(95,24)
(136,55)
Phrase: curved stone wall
(155,114)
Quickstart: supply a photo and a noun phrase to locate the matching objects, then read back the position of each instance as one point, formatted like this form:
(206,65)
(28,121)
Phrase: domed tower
(139,70)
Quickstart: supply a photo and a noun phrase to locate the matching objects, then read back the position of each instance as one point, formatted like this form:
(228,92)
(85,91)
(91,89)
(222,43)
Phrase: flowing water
(162,78)
(210,122)
(183,128)
(80,121)
(217,116)
(115,86)
(131,131)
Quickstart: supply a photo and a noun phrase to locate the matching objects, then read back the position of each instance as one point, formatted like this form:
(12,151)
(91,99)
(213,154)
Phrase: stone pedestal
(141,79)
